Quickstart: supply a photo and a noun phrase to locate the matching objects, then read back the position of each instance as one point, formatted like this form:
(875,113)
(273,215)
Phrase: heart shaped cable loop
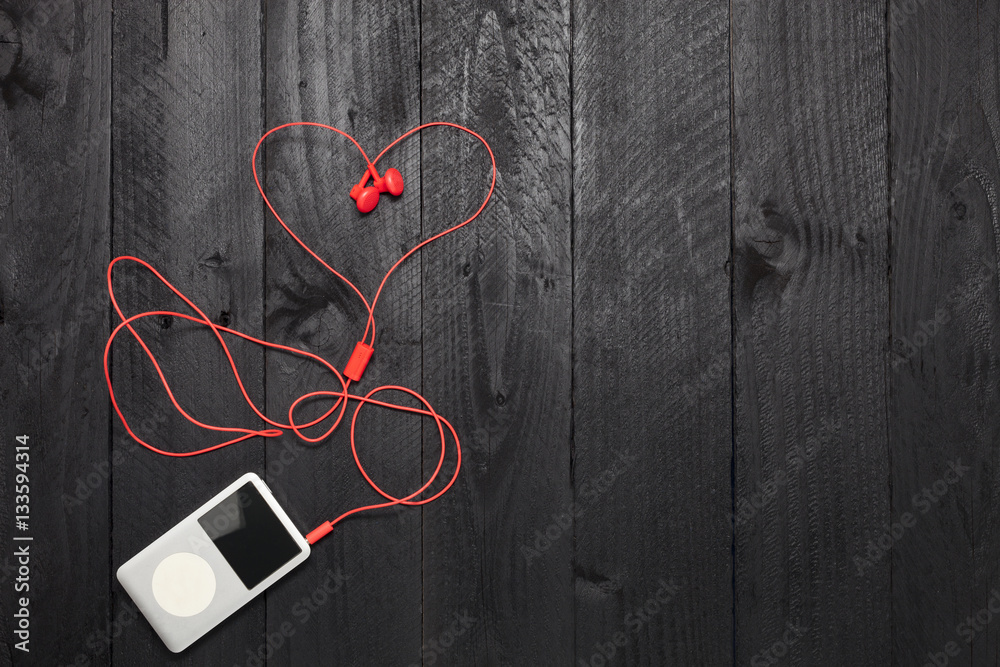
(339,398)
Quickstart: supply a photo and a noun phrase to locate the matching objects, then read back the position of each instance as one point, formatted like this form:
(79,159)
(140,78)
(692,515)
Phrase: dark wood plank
(945,316)
(55,79)
(497,317)
(354,67)
(652,341)
(810,302)
(186,113)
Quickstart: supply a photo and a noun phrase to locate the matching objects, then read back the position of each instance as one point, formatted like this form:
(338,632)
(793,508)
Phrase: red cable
(340,397)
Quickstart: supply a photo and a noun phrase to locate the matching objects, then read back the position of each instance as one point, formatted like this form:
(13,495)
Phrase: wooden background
(734,306)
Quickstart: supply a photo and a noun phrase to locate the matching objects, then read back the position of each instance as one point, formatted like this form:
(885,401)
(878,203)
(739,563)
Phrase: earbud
(367,195)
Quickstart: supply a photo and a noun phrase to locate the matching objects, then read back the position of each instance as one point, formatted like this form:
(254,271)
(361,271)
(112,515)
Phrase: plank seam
(111,325)
(572,313)
(732,327)
(262,36)
(889,289)
(423,389)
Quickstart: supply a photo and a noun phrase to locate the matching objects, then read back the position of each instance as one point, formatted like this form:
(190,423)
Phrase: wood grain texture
(651,332)
(353,66)
(186,114)
(54,233)
(496,324)
(945,315)
(810,306)
(722,351)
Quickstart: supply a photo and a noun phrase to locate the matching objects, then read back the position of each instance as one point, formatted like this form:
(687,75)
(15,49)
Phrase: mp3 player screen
(245,529)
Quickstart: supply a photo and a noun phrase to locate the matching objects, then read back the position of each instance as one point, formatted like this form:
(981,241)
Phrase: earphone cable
(341,397)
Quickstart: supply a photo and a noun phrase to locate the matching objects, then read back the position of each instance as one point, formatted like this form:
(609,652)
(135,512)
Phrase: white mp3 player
(213,562)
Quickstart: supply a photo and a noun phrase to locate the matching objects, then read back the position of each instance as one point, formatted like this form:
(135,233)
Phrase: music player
(213,562)
(241,541)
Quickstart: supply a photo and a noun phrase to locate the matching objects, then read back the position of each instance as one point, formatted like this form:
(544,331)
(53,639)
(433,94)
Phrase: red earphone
(367,195)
